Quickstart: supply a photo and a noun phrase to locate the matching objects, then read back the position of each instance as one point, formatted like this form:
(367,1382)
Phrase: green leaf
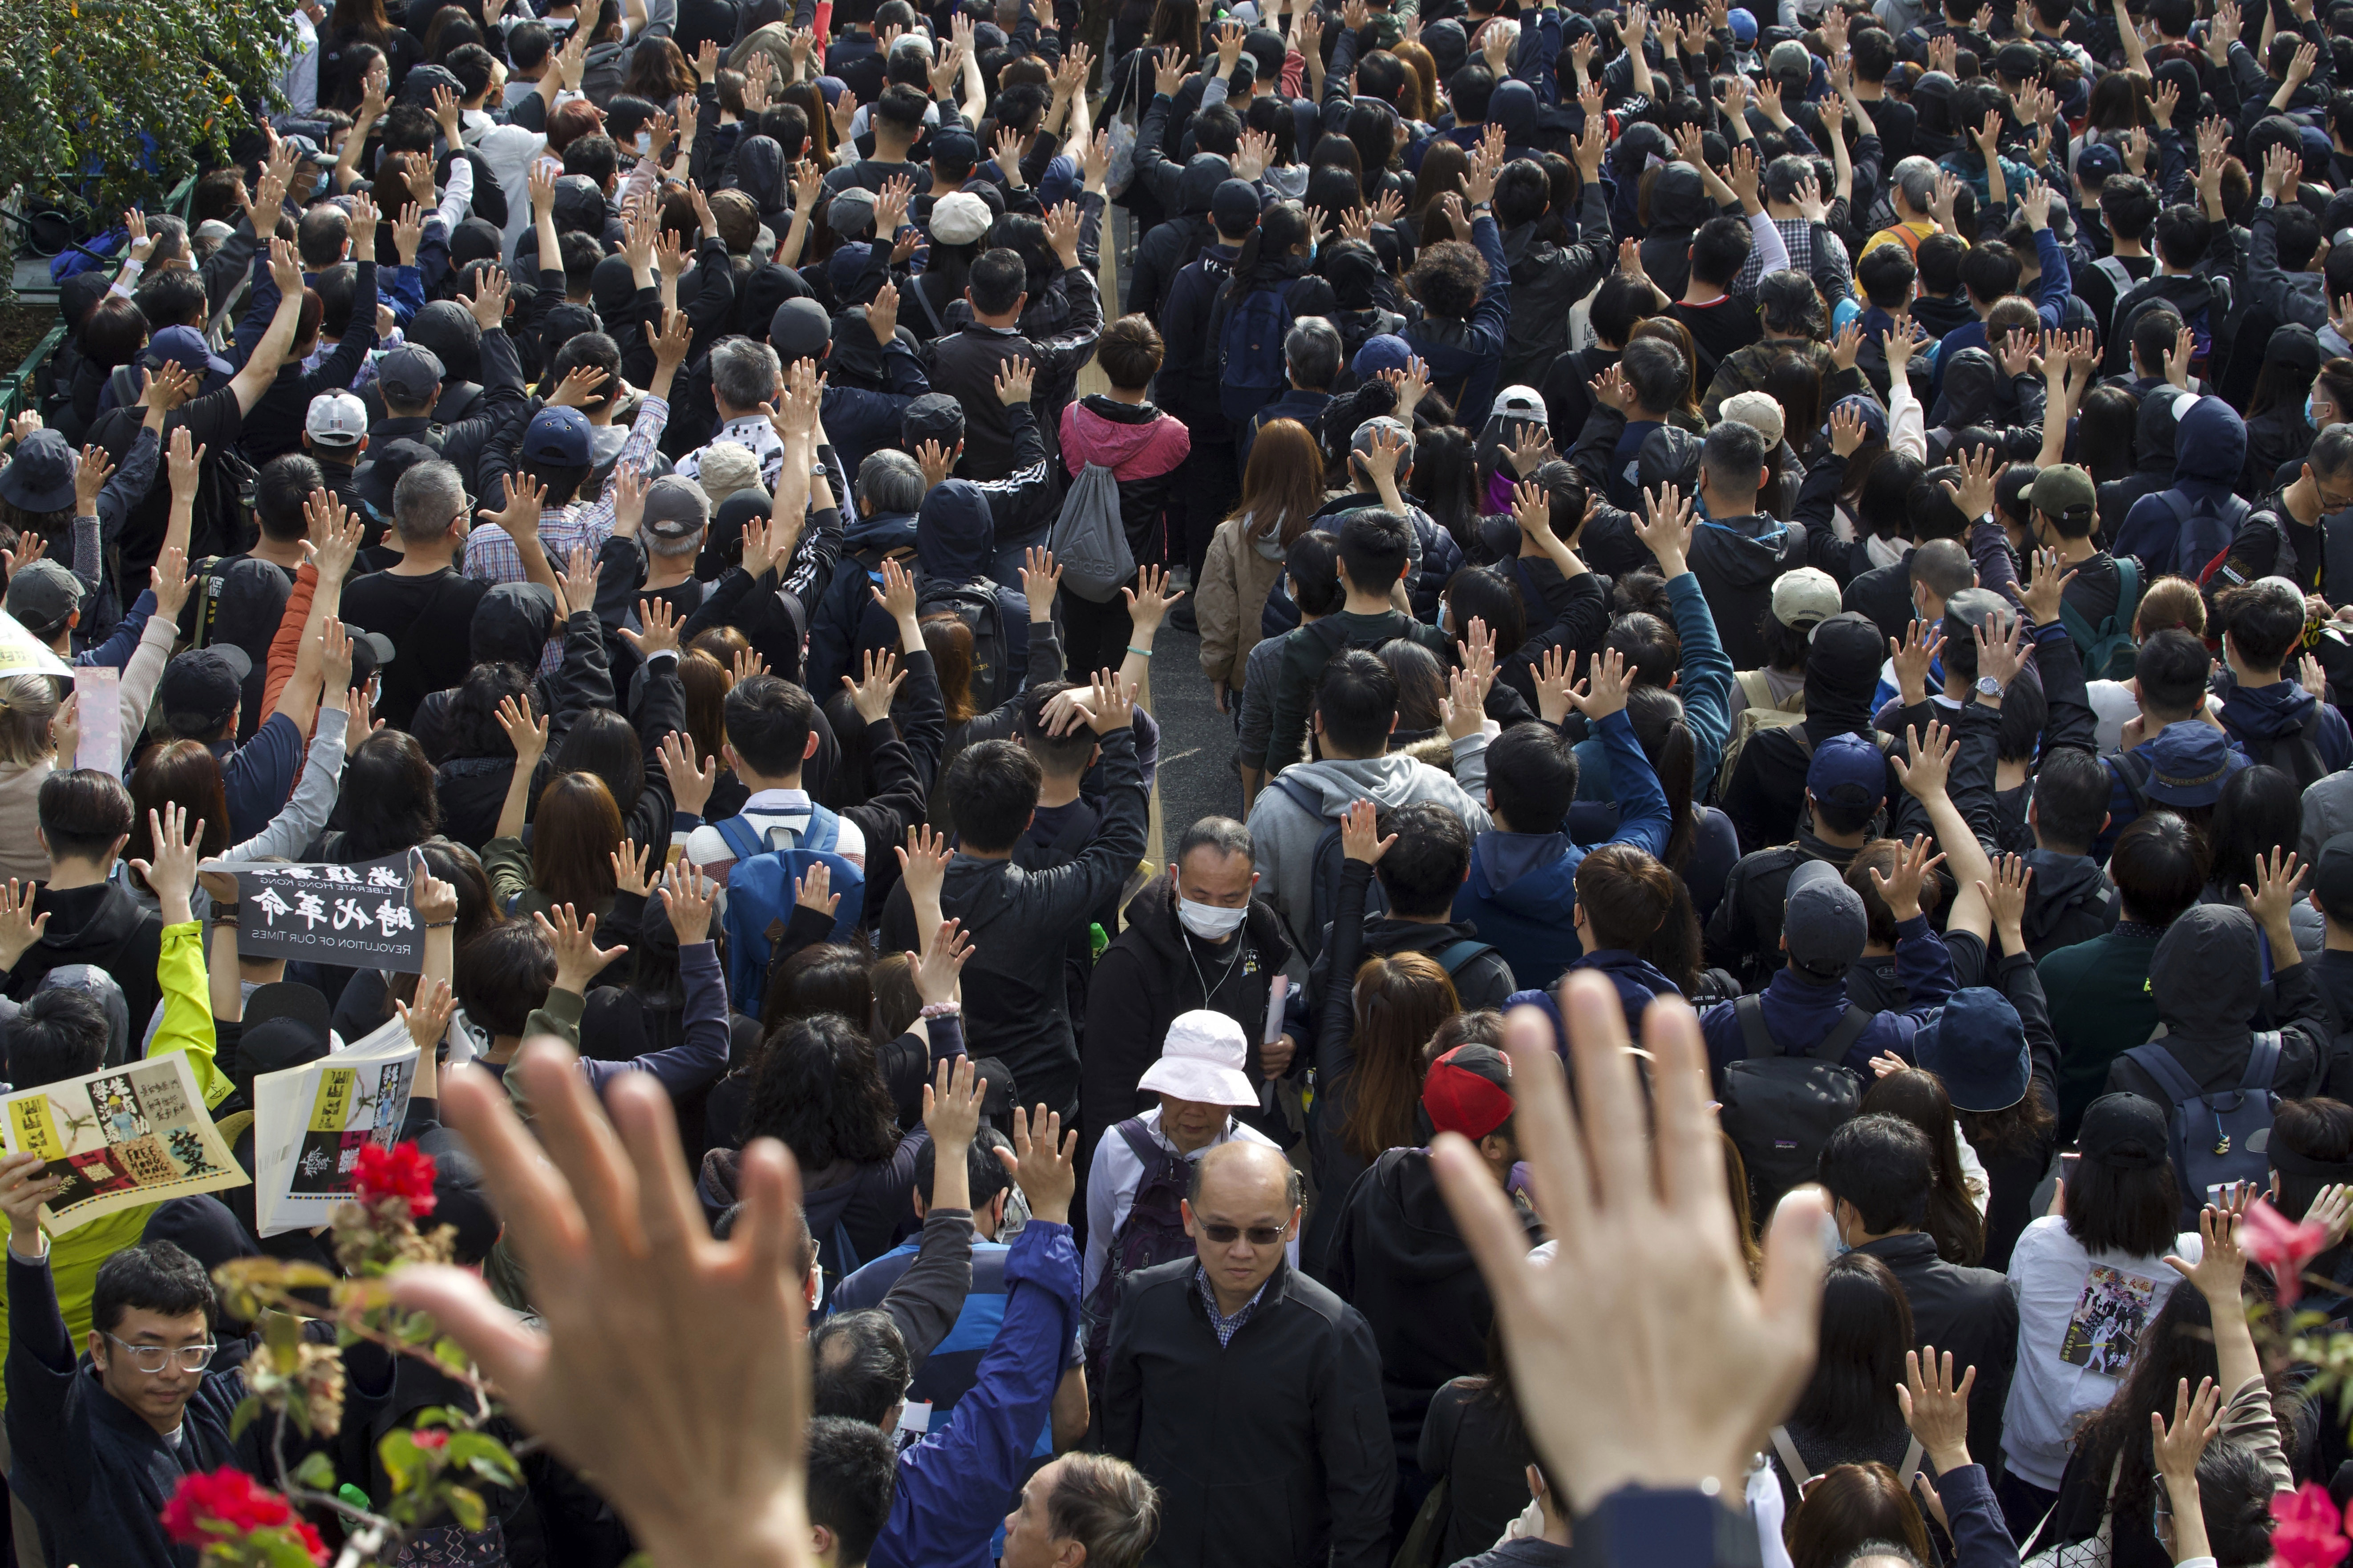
(452,1354)
(316,1471)
(466,1506)
(280,1548)
(283,1334)
(405,1462)
(247,1409)
(416,1328)
(486,1456)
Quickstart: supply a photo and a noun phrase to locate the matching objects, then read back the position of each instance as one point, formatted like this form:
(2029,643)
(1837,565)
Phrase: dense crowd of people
(1809,539)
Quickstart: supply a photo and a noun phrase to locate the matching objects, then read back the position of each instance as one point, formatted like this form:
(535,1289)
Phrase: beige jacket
(1236,578)
(21,856)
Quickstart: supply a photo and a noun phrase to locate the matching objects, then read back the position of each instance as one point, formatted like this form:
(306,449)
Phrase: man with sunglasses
(1246,1391)
(100,1443)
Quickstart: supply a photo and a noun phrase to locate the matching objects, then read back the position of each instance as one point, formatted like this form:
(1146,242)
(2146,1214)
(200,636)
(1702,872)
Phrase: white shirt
(1115,1174)
(2080,1315)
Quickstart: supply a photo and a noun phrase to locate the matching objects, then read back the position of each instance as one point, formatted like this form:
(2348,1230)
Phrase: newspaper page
(121,1139)
(310,1123)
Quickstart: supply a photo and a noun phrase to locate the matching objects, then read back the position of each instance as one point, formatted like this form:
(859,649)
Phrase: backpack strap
(2135,774)
(1139,1142)
(1913,1454)
(2262,1063)
(2179,1088)
(1793,1463)
(1456,954)
(1750,1011)
(739,837)
(1301,794)
(824,830)
(2127,589)
(1834,1046)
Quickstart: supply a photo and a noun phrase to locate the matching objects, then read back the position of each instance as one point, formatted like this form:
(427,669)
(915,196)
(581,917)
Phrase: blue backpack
(2219,1137)
(760,894)
(1250,351)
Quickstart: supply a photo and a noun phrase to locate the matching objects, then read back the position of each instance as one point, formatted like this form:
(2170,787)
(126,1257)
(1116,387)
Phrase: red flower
(227,1501)
(430,1439)
(2306,1534)
(308,1535)
(2282,1246)
(399,1172)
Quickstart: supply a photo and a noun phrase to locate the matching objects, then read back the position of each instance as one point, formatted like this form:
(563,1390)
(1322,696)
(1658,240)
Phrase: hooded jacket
(955,542)
(1639,982)
(1546,280)
(845,621)
(1174,245)
(1154,970)
(2154,429)
(2069,900)
(1398,1258)
(2183,529)
(1737,560)
(1187,383)
(1766,792)
(2190,295)
(1284,834)
(1799,1009)
(2207,979)
(1241,570)
(2259,717)
(2298,297)
(1973,392)
(1142,446)
(101,925)
(1434,556)
(1521,887)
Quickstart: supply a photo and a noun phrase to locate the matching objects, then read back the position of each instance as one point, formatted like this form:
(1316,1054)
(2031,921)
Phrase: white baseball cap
(1201,1060)
(336,419)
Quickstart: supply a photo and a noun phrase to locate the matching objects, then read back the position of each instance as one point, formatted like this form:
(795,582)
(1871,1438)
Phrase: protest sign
(100,714)
(310,1123)
(22,653)
(122,1138)
(359,916)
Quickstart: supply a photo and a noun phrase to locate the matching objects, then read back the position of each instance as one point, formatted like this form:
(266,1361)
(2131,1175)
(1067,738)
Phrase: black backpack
(2297,753)
(975,604)
(1327,861)
(1780,1109)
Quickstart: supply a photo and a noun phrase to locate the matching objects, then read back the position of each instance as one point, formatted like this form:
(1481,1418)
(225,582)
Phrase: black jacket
(1398,1259)
(1153,971)
(102,925)
(2207,981)
(1270,1451)
(1546,280)
(1969,1312)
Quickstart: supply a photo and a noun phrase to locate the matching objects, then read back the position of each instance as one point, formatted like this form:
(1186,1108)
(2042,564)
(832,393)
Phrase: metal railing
(16,386)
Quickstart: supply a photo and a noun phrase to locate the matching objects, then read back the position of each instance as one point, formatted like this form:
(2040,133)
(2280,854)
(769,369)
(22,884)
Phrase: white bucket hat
(1201,1060)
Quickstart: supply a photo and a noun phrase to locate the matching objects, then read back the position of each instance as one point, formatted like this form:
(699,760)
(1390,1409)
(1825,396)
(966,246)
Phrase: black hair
(60,1033)
(1657,372)
(819,1090)
(983,1170)
(2071,798)
(1719,250)
(1622,304)
(859,1367)
(1886,277)
(2259,810)
(503,975)
(992,788)
(1423,870)
(769,721)
(1864,1330)
(83,813)
(997,280)
(1066,754)
(1884,1168)
(1523,191)
(1375,547)
(2158,866)
(2182,236)
(279,491)
(852,1473)
(2264,622)
(1312,565)
(2131,1210)
(175,298)
(1469,90)
(1533,777)
(155,1276)
(2171,668)
(1356,697)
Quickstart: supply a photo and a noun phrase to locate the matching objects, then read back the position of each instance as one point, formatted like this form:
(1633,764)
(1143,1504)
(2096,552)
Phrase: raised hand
(1930,762)
(871,695)
(1360,837)
(1901,890)
(629,867)
(688,896)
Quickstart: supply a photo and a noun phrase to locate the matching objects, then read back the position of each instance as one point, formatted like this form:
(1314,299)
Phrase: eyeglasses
(156,1358)
(1257,1235)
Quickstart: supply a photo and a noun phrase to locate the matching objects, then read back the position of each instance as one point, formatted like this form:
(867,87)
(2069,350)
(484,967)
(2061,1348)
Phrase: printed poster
(310,1122)
(357,916)
(122,1138)
(2107,1320)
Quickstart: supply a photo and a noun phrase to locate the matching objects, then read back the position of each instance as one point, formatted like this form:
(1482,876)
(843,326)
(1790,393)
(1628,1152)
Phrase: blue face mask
(2311,409)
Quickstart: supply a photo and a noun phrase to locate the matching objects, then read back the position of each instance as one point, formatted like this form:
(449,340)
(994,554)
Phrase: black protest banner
(359,916)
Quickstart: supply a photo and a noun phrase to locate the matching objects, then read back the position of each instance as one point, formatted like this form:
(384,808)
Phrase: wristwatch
(1988,686)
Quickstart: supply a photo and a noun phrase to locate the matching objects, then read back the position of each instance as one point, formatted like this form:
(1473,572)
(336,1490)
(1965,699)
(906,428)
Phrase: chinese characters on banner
(122,1138)
(359,916)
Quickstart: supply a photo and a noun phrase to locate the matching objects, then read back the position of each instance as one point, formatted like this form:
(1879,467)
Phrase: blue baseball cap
(1848,770)
(2094,163)
(1977,1045)
(559,436)
(1383,350)
(1743,25)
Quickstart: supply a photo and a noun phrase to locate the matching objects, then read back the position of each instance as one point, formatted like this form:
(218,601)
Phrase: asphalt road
(1197,775)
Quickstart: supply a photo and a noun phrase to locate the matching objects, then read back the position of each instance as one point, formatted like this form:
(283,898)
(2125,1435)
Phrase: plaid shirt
(491,553)
(1225,1326)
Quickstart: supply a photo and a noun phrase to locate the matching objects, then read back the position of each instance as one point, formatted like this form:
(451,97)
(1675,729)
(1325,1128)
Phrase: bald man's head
(1241,1215)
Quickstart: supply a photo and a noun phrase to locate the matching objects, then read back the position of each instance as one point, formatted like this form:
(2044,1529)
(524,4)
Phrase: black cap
(2123,1130)
(800,330)
(380,471)
(201,690)
(1234,206)
(933,417)
(2332,879)
(2018,61)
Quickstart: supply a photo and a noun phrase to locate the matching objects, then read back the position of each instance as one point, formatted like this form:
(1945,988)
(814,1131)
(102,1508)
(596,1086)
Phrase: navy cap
(1234,207)
(201,690)
(1848,770)
(2188,762)
(378,474)
(1383,350)
(411,373)
(41,479)
(2094,163)
(957,149)
(800,330)
(1977,1045)
(1823,924)
(186,347)
(558,436)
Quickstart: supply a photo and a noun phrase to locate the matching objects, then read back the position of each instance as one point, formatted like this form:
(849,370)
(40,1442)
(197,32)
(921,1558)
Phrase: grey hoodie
(1283,834)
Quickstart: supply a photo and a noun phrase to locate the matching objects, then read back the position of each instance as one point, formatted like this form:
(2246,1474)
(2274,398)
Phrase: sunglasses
(1257,1235)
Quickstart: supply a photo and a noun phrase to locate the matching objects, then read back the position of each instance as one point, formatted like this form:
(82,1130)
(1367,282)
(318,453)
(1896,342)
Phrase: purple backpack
(1153,1232)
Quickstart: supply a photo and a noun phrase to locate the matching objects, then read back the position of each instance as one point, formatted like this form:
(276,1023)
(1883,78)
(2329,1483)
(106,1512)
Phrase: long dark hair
(1445,480)
(819,1090)
(2178,1344)
(824,977)
(1282,228)
(1657,716)
(2259,810)
(1866,1327)
(1917,1095)
(389,799)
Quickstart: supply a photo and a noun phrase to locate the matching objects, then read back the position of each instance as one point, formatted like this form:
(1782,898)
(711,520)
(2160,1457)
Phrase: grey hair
(1916,177)
(743,373)
(425,500)
(171,236)
(913,43)
(1877,1553)
(28,704)
(1222,833)
(890,481)
(1311,348)
(671,549)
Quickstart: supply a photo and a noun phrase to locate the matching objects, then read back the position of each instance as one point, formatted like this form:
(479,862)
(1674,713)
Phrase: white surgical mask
(645,142)
(1209,921)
